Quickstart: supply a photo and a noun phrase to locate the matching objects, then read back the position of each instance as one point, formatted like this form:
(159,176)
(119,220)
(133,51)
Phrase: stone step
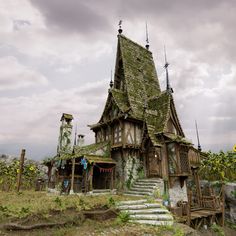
(133,202)
(148,211)
(149,181)
(140,206)
(141,189)
(152,222)
(145,185)
(101,190)
(161,217)
(134,195)
(139,193)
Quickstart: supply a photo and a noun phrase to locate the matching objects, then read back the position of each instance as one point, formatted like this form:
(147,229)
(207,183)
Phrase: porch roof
(99,159)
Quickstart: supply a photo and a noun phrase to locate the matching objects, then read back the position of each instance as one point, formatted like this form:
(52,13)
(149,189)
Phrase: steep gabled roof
(159,110)
(140,75)
(136,88)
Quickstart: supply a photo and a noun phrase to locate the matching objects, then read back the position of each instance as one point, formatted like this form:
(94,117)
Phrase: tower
(65,135)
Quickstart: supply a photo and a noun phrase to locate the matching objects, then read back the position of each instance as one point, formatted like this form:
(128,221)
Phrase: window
(172,158)
(117,134)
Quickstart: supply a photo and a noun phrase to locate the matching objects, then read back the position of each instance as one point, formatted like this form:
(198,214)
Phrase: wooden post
(91,178)
(72,176)
(223,204)
(22,159)
(112,178)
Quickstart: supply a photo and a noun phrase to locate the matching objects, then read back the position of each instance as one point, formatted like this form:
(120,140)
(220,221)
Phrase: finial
(168,87)
(198,141)
(120,29)
(147,39)
(111,82)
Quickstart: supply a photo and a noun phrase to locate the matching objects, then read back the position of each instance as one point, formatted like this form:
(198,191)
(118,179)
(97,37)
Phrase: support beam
(72,176)
(22,159)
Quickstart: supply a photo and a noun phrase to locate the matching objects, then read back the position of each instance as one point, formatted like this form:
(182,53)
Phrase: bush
(218,166)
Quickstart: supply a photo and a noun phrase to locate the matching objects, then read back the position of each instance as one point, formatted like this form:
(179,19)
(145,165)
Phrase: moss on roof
(121,99)
(135,66)
(101,150)
(177,138)
(139,74)
(66,116)
(98,149)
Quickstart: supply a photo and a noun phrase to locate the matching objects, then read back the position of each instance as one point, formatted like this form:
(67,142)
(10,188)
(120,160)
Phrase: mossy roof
(120,99)
(141,87)
(139,74)
(99,150)
(177,138)
(91,149)
(66,116)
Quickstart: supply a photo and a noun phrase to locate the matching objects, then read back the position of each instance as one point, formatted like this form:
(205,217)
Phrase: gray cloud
(72,16)
(73,44)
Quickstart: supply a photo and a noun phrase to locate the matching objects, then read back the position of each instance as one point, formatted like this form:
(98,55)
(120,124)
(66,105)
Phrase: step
(134,195)
(139,193)
(141,189)
(133,202)
(149,180)
(145,185)
(148,211)
(152,222)
(161,217)
(140,206)
(101,190)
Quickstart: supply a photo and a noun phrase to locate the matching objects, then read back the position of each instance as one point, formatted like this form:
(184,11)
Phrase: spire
(111,82)
(198,141)
(147,38)
(168,87)
(75,143)
(120,29)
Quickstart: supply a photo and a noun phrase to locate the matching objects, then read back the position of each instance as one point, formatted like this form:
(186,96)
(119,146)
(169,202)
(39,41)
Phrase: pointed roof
(140,96)
(140,75)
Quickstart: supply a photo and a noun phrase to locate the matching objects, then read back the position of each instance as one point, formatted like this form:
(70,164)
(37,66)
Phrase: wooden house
(139,134)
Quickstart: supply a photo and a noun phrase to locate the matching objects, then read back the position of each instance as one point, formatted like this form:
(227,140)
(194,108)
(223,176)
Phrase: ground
(78,215)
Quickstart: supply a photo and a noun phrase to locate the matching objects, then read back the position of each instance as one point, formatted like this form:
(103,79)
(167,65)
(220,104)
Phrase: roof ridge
(143,47)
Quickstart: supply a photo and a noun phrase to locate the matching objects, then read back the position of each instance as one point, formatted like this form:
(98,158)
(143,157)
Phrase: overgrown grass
(27,203)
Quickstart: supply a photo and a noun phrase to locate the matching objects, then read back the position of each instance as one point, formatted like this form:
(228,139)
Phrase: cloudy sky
(56,56)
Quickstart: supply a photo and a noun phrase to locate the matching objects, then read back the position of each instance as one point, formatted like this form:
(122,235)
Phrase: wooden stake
(72,176)
(22,159)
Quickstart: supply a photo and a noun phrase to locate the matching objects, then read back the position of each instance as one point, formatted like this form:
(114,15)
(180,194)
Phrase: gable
(111,110)
(173,118)
(135,74)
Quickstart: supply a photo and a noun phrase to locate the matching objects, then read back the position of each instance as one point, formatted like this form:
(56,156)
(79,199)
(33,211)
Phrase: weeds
(111,202)
(217,229)
(123,217)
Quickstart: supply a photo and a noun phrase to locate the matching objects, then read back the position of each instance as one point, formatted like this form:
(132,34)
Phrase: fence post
(22,159)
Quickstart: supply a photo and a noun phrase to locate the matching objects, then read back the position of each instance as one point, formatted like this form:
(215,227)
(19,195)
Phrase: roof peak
(130,40)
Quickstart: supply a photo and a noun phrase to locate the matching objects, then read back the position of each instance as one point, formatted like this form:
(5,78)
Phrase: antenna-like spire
(168,87)
(75,142)
(147,38)
(111,82)
(198,141)
(120,29)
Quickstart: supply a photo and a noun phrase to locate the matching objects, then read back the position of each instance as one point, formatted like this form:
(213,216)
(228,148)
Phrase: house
(138,135)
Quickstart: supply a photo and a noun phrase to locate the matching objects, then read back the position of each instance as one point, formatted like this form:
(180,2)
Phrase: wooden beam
(21,167)
(72,176)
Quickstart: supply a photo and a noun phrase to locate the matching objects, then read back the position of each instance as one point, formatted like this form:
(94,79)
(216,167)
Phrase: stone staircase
(146,212)
(146,187)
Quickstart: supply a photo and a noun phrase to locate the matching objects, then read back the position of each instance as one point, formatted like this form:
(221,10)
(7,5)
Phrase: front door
(153,162)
